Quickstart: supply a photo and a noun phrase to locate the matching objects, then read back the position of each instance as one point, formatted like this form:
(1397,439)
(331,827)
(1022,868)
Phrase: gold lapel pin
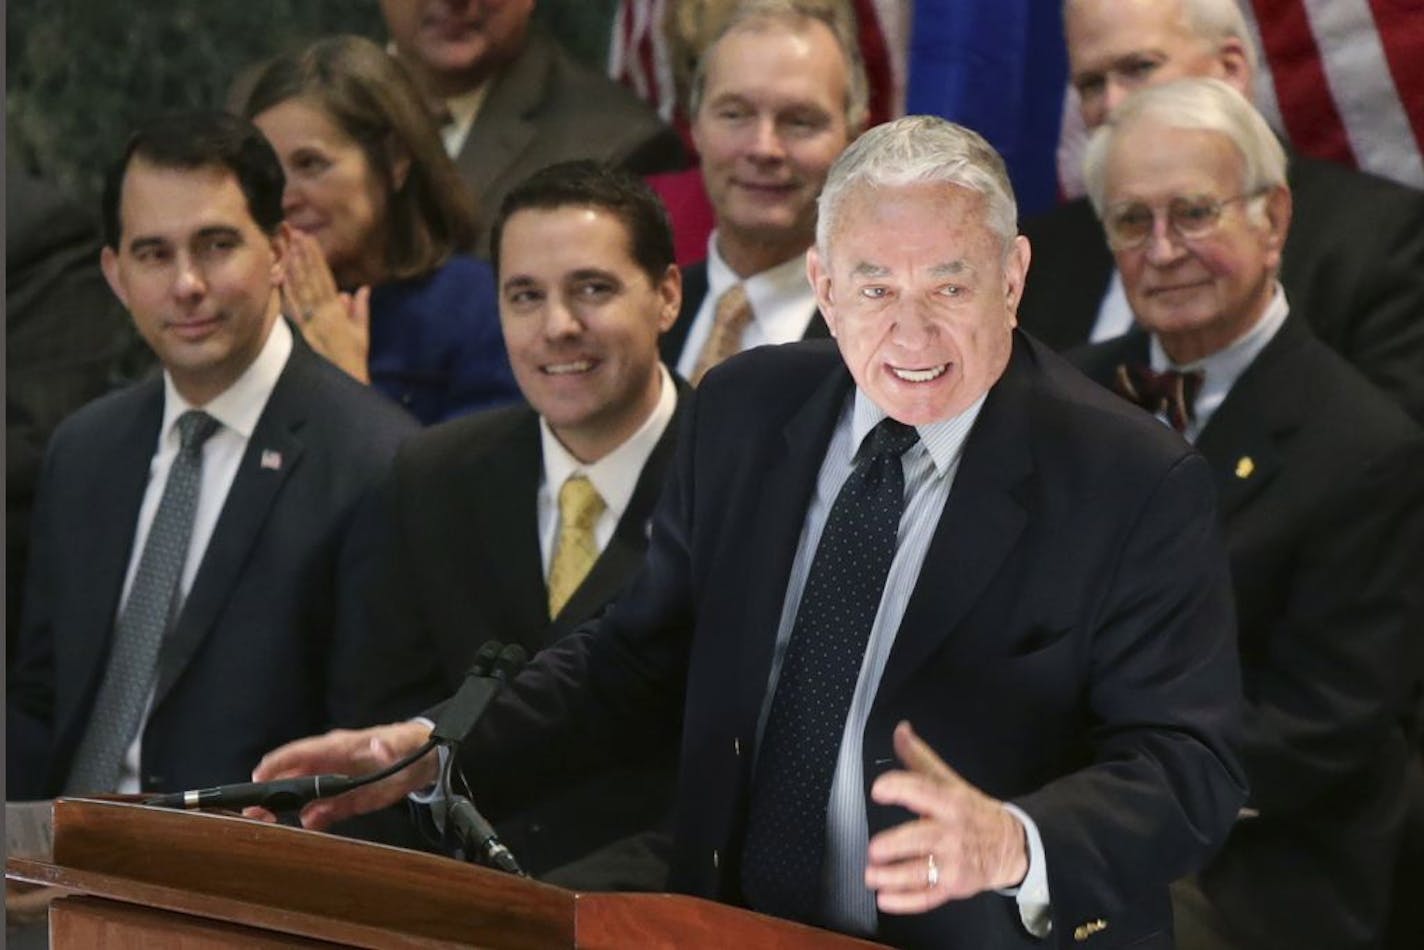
(1083,931)
(1245,467)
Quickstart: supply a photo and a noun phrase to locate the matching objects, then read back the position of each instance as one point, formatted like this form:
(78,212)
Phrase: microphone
(478,835)
(282,795)
(486,677)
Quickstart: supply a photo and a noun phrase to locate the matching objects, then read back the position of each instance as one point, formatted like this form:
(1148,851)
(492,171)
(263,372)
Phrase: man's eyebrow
(867,269)
(952,269)
(518,281)
(219,230)
(590,273)
(143,243)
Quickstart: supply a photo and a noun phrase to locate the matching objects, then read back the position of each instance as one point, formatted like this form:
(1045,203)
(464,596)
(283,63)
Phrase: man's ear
(1279,208)
(109,264)
(819,274)
(1016,263)
(281,240)
(670,293)
(1236,66)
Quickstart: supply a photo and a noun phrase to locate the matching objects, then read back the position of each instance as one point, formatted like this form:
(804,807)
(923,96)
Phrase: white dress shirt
(463,110)
(237,409)
(782,301)
(1114,313)
(615,476)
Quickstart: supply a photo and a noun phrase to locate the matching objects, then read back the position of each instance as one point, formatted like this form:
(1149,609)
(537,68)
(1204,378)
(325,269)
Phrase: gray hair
(1212,21)
(920,149)
(1206,105)
(836,15)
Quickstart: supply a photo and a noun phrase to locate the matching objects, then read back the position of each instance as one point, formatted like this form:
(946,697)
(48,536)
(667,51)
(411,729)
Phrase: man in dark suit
(186,601)
(1320,499)
(1356,247)
(517,101)
(1014,562)
(588,283)
(777,96)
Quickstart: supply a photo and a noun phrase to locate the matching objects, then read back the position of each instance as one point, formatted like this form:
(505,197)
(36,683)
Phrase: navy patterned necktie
(786,826)
(145,618)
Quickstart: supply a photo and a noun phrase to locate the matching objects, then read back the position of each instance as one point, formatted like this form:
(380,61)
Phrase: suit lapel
(1244,439)
(507,509)
(774,533)
(126,456)
(503,130)
(980,525)
(244,514)
(694,289)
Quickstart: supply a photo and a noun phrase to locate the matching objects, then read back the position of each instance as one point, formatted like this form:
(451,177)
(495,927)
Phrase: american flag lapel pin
(271,459)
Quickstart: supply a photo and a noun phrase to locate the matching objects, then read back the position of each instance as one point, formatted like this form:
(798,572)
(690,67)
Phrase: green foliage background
(80,73)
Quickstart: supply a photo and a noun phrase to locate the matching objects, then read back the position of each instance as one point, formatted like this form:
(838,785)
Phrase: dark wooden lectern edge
(323,877)
(76,883)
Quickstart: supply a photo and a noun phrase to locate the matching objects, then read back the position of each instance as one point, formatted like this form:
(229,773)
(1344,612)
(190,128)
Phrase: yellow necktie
(729,321)
(577,548)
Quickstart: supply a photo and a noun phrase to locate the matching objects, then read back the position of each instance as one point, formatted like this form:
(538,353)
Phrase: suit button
(715,858)
(535,828)
(736,746)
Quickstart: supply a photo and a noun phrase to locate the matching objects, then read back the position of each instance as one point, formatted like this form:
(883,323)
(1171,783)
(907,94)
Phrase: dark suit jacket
(271,610)
(462,566)
(1325,526)
(546,107)
(694,289)
(1354,258)
(1069,645)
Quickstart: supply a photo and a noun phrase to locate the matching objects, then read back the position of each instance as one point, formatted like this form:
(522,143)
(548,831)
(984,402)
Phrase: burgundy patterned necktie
(1172,393)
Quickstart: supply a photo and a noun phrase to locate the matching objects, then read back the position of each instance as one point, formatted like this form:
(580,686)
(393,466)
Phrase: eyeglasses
(1129,225)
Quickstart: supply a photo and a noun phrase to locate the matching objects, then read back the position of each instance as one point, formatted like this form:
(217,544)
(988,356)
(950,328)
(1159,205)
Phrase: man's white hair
(1207,105)
(919,149)
(1211,21)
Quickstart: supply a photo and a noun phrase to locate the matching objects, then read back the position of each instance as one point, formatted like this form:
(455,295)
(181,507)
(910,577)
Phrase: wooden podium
(134,876)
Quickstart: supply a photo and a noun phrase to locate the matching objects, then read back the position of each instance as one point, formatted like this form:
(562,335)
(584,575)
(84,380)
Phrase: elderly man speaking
(929,542)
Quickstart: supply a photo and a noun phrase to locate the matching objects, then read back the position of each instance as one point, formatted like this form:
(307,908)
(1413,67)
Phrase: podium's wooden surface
(134,876)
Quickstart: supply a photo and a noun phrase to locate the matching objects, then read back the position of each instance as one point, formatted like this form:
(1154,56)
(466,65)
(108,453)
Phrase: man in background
(514,101)
(777,96)
(197,557)
(1355,251)
(519,524)
(1320,500)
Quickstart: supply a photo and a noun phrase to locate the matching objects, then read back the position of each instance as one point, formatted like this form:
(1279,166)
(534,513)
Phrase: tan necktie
(729,321)
(576,548)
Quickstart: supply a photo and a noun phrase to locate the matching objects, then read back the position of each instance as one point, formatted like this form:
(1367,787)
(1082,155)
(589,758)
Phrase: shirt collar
(1221,369)
(768,291)
(463,110)
(240,405)
(944,440)
(615,476)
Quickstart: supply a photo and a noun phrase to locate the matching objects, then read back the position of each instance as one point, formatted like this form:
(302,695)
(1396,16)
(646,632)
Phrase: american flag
(1341,79)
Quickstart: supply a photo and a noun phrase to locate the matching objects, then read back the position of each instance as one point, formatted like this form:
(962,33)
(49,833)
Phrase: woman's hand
(337,325)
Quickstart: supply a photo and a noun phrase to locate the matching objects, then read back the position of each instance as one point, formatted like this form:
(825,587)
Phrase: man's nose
(188,280)
(1164,245)
(560,319)
(766,143)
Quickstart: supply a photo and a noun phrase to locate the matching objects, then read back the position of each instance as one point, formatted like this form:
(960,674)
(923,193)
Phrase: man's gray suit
(546,107)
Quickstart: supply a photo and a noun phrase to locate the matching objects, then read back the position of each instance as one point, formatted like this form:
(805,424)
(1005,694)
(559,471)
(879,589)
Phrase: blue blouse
(436,346)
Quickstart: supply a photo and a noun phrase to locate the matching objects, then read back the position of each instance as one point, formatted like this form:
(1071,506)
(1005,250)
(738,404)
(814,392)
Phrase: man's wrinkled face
(455,44)
(921,297)
(1118,46)
(196,272)
(1197,294)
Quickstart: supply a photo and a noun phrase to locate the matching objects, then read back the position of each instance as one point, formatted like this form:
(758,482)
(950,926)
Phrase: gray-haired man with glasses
(1319,500)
